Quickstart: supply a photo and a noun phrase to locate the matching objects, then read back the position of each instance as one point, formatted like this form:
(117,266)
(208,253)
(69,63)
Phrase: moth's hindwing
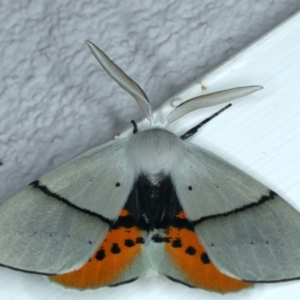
(119,259)
(189,255)
(176,252)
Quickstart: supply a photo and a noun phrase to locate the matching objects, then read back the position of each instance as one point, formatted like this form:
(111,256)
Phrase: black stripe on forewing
(271,281)
(179,281)
(124,282)
(262,200)
(36,184)
(26,271)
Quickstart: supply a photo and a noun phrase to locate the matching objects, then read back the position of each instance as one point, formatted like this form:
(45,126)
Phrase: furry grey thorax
(154,153)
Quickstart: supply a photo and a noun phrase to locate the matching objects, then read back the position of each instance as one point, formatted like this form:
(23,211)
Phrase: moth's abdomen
(154,151)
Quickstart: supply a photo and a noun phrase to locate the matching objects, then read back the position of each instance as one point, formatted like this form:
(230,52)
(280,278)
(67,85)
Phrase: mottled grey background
(55,100)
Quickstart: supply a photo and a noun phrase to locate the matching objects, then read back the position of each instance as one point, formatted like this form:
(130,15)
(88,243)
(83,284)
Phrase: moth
(151,201)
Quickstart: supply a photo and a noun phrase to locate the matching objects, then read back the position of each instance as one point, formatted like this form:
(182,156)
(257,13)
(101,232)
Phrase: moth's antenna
(193,130)
(123,80)
(135,128)
(210,100)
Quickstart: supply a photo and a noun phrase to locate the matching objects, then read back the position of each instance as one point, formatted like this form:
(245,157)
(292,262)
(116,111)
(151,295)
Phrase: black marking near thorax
(153,206)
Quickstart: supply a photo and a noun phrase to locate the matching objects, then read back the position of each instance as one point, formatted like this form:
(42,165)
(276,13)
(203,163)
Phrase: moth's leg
(193,130)
(135,128)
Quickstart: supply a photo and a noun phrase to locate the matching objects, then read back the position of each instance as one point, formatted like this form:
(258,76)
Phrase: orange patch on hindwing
(191,258)
(110,260)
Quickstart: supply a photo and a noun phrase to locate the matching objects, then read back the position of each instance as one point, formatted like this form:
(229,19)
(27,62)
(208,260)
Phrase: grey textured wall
(56,102)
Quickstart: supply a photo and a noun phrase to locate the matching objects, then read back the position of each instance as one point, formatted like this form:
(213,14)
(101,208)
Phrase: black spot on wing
(115,249)
(190,250)
(100,255)
(204,258)
(140,240)
(118,184)
(177,243)
(129,243)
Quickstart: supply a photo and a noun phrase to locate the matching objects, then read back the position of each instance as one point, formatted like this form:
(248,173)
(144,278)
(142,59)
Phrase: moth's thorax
(154,151)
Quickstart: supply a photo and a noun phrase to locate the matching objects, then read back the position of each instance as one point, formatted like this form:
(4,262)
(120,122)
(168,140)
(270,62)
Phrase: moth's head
(139,95)
(154,151)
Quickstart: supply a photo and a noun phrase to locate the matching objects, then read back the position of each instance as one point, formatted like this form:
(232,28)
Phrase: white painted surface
(56,102)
